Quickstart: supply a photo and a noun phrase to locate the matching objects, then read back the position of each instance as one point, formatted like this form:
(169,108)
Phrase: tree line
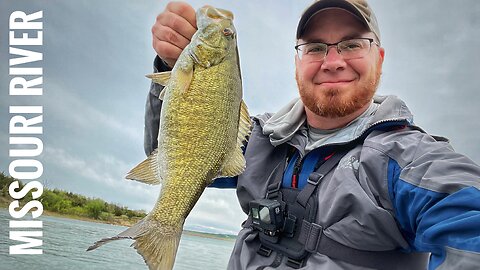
(68,203)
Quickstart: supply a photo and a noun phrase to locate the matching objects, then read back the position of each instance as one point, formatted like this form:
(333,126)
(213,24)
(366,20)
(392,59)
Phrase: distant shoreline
(226,237)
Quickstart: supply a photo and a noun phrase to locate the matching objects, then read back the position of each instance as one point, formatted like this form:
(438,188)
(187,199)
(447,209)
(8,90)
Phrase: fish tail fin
(159,249)
(157,244)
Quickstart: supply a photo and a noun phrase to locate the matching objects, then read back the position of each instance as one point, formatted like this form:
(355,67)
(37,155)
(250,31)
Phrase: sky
(96,53)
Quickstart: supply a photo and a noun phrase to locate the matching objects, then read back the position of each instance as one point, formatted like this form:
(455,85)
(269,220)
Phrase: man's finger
(167,34)
(184,10)
(167,51)
(177,23)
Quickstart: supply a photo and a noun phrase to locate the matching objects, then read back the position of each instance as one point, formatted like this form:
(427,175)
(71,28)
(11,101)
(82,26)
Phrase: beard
(338,102)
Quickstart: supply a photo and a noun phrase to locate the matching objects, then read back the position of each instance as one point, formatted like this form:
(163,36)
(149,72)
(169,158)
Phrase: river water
(65,242)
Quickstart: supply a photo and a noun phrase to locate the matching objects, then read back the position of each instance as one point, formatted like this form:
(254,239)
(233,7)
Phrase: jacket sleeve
(152,123)
(436,200)
(152,110)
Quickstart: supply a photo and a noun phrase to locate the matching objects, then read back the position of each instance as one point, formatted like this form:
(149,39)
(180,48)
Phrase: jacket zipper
(296,170)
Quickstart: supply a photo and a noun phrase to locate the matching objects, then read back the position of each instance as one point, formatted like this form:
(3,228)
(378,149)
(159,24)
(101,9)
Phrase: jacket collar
(289,123)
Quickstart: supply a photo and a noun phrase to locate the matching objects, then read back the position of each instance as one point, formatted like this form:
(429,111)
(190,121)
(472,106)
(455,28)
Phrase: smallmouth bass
(203,125)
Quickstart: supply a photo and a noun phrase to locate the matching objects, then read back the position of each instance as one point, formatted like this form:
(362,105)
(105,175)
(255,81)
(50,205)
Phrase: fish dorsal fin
(161,78)
(147,171)
(244,124)
(235,162)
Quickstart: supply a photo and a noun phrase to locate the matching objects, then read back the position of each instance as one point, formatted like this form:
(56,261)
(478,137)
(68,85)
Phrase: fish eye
(228,32)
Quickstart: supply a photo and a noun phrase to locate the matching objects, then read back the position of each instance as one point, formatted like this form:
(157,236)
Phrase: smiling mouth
(341,81)
(334,83)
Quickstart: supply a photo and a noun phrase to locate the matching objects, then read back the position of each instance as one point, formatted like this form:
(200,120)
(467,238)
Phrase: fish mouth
(217,13)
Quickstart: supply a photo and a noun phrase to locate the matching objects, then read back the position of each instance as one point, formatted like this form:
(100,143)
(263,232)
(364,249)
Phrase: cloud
(217,210)
(103,173)
(69,108)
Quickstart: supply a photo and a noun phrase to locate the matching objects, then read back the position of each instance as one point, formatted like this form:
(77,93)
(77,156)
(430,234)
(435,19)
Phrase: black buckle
(272,190)
(289,225)
(295,263)
(264,251)
(313,237)
(314,178)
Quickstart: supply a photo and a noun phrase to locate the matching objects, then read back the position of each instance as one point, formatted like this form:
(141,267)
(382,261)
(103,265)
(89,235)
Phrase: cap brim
(320,6)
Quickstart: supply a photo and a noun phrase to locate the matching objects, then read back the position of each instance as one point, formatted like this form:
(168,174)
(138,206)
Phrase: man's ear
(297,61)
(381,53)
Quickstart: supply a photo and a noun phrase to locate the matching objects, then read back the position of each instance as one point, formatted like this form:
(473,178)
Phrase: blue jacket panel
(432,221)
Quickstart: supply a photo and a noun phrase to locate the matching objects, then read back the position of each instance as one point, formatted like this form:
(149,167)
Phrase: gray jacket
(400,189)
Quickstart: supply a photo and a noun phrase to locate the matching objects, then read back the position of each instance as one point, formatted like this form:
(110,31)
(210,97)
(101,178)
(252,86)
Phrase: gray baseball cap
(359,8)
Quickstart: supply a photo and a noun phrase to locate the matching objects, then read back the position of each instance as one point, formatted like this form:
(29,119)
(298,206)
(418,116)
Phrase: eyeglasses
(348,49)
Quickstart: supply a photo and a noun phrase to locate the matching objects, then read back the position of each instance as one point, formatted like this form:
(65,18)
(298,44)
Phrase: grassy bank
(67,204)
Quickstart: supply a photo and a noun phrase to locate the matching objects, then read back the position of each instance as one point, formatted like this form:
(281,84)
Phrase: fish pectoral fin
(147,171)
(183,79)
(235,161)
(161,78)
(161,96)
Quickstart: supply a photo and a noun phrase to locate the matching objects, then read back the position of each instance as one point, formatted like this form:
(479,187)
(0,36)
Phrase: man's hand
(173,30)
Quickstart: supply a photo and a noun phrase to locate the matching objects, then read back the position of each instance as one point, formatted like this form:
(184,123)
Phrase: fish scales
(203,125)
(196,132)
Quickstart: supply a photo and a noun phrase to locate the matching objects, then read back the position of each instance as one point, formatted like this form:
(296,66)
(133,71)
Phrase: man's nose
(333,60)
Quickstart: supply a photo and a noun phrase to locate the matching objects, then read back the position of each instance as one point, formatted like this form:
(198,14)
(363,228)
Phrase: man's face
(336,87)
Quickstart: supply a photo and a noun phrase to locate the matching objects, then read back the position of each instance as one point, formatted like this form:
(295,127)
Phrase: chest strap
(314,240)
(315,177)
(312,236)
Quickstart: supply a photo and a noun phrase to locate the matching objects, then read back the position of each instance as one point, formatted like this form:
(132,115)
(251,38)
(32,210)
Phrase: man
(354,183)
